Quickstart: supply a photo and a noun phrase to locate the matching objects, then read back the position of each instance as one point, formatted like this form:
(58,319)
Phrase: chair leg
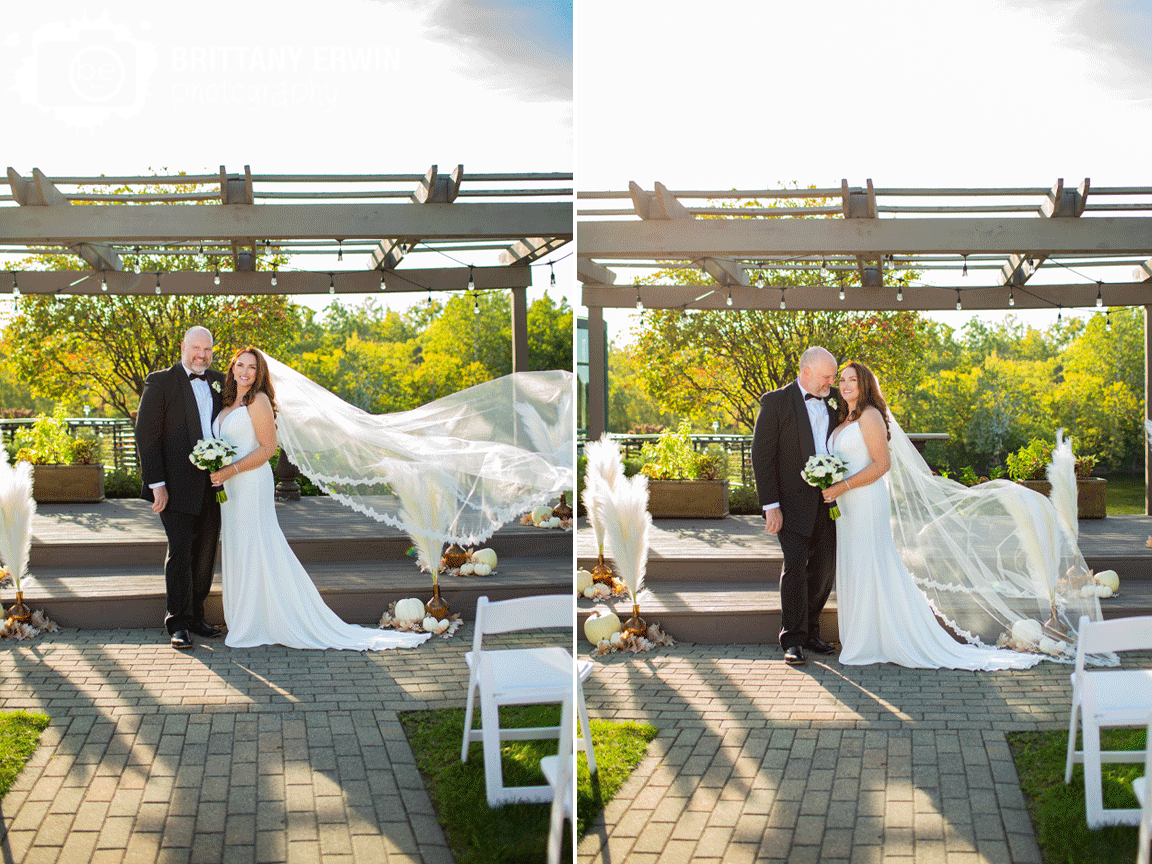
(585,728)
(490,737)
(1093,783)
(1071,744)
(468,724)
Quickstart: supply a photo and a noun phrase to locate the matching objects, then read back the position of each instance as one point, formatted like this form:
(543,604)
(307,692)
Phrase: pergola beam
(460,221)
(433,188)
(190,282)
(826,297)
(42,192)
(756,239)
(1060,203)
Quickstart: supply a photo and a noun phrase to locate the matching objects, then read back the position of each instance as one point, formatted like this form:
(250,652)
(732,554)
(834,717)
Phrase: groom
(793,424)
(176,410)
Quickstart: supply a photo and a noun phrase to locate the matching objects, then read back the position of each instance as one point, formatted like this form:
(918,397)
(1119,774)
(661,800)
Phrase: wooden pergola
(388,220)
(1009,234)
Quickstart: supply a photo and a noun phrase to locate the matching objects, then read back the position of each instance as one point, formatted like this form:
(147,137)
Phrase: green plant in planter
(49,442)
(1031,462)
(671,456)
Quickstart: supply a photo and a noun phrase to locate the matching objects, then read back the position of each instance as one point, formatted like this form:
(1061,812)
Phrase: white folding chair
(1143,789)
(515,676)
(584,742)
(560,771)
(1106,698)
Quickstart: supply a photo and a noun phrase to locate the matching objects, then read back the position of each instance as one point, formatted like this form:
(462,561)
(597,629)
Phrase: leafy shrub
(85,451)
(672,456)
(1031,462)
(711,466)
(581,467)
(119,483)
(633,466)
(742,500)
(48,441)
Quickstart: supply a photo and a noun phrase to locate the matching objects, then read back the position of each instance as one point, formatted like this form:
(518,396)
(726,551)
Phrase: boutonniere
(216,386)
(832,403)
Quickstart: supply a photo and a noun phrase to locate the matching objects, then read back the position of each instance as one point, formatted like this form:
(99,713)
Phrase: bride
(268,596)
(989,556)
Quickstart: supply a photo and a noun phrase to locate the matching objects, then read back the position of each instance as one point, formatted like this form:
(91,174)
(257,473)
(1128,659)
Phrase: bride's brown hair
(869,395)
(262,384)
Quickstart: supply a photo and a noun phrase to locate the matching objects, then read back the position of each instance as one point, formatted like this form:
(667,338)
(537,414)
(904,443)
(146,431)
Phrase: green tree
(629,405)
(550,334)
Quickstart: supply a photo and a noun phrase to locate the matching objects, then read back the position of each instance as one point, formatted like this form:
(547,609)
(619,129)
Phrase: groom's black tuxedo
(781,445)
(167,428)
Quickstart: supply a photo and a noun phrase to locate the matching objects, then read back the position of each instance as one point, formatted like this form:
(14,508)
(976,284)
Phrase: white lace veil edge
(451,471)
(989,556)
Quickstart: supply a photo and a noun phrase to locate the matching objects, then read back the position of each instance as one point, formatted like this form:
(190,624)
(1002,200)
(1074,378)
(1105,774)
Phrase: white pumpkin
(601,624)
(583,580)
(1027,630)
(429,624)
(485,556)
(442,625)
(616,638)
(467,569)
(1110,578)
(1049,646)
(1088,590)
(482,570)
(554,522)
(590,592)
(1103,591)
(541,514)
(409,610)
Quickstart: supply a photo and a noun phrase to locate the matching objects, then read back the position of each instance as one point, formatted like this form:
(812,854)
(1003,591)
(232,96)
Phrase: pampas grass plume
(626,524)
(16,511)
(1062,477)
(605,469)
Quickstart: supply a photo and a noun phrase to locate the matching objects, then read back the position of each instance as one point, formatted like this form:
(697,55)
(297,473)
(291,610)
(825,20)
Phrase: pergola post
(520,330)
(597,398)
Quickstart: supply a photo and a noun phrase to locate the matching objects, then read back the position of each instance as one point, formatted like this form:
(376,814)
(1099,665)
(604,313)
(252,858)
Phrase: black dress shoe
(794,656)
(818,646)
(203,628)
(181,639)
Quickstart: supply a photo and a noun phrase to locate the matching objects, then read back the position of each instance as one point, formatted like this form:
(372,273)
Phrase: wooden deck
(101,565)
(716,581)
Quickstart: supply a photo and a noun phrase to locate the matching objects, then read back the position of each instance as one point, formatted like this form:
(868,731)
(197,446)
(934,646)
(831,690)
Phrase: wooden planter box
(67,484)
(688,499)
(1091,495)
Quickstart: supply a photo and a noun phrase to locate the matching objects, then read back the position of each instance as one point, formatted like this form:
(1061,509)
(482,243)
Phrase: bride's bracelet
(846,483)
(237,467)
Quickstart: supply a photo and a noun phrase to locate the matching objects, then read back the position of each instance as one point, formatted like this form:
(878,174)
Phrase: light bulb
(552,278)
(899,293)
(1099,296)
(273,278)
(639,303)
(471,281)
(331,284)
(1011,297)
(729,300)
(959,305)
(476,305)
(216,279)
(381,280)
(103,283)
(841,292)
(783,305)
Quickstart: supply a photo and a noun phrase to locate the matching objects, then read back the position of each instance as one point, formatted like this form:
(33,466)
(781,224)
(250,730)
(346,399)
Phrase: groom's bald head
(196,349)
(817,371)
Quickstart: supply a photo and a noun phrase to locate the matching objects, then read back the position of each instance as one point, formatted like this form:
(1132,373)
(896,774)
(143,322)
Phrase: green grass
(1058,811)
(478,834)
(1125,494)
(19,735)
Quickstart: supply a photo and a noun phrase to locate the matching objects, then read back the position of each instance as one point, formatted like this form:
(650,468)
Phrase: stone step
(731,613)
(357,590)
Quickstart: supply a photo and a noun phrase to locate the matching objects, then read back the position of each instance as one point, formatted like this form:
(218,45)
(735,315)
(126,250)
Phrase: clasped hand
(829,495)
(218,477)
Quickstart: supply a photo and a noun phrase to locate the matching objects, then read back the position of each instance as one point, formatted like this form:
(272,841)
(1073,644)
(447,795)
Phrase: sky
(979,93)
(344,86)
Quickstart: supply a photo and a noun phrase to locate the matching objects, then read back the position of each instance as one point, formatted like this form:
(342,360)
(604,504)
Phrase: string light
(841,287)
(639,302)
(1099,296)
(331,284)
(1059,314)
(157,281)
(15,287)
(1108,321)
(959,305)
(783,305)
(552,278)
(471,279)
(475,304)
(339,250)
(823,269)
(216,278)
(382,280)
(103,283)
(273,277)
(965,273)
(1011,297)
(729,300)
(899,293)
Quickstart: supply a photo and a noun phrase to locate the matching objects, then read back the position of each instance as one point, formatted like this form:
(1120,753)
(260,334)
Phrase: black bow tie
(192,376)
(808,396)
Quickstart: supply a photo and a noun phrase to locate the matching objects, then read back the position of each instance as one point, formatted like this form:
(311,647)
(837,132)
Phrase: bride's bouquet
(822,472)
(212,454)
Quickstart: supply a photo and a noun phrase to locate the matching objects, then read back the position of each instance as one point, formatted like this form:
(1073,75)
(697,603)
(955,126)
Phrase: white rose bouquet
(822,472)
(212,454)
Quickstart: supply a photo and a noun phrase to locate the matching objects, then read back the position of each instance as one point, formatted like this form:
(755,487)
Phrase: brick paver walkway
(222,755)
(759,761)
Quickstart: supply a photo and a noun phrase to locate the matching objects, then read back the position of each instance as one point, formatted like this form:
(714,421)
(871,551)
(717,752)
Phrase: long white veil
(451,471)
(986,556)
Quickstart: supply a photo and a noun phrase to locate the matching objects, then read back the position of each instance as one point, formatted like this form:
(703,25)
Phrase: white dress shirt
(818,415)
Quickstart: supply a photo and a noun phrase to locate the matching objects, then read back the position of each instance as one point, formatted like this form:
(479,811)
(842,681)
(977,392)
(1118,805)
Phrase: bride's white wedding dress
(268,596)
(884,617)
